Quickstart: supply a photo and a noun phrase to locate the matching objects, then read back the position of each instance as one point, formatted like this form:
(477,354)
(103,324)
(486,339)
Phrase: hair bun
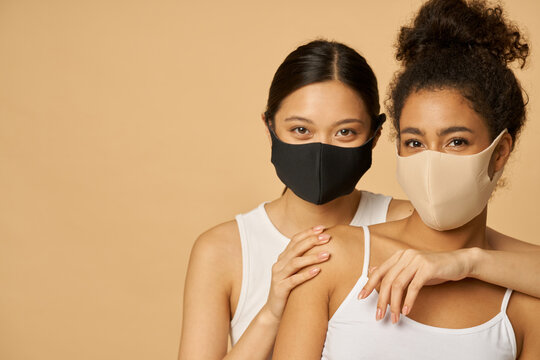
(459,25)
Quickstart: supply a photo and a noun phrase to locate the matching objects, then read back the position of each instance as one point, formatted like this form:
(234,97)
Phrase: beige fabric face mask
(448,190)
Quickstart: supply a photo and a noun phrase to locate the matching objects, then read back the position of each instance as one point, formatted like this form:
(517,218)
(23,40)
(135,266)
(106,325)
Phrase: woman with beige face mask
(458,110)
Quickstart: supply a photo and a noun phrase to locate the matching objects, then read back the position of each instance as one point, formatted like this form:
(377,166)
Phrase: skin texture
(468,302)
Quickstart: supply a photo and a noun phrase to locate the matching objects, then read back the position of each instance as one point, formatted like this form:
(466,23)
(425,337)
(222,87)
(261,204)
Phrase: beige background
(129,127)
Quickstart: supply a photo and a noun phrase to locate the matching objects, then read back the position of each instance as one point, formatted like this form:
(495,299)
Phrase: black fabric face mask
(320,173)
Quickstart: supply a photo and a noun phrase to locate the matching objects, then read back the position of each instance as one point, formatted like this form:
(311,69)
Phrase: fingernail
(324,255)
(406,310)
(371,269)
(314,271)
(379,314)
(395,318)
(318,228)
(324,238)
(362,294)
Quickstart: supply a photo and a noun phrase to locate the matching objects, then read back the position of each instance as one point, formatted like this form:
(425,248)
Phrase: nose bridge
(324,137)
(434,145)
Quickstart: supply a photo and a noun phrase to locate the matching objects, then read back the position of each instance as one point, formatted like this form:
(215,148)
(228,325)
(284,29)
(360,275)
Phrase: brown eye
(413,143)
(346,132)
(301,130)
(458,142)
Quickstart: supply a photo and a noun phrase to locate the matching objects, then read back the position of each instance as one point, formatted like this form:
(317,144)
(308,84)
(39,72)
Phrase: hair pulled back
(319,61)
(466,46)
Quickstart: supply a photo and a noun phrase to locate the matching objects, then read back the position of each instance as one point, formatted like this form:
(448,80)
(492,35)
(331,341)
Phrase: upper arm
(206,311)
(302,330)
(399,209)
(524,312)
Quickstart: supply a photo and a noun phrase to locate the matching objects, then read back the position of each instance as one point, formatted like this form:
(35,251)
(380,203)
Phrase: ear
(376,137)
(501,154)
(265,123)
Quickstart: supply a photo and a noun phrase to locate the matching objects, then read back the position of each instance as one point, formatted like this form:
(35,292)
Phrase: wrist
(267,317)
(474,258)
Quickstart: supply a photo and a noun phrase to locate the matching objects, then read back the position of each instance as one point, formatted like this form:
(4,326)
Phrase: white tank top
(353,332)
(262,243)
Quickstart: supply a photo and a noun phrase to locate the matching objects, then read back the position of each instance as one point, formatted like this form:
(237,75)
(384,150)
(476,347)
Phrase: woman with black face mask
(323,119)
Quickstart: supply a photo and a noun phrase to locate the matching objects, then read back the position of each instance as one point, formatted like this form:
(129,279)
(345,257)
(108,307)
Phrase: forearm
(258,339)
(516,270)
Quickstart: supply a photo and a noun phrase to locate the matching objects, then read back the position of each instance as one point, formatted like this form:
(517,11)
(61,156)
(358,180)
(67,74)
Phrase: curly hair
(466,46)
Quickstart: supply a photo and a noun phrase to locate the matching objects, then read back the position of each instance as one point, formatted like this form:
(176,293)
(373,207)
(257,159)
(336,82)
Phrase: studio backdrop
(127,128)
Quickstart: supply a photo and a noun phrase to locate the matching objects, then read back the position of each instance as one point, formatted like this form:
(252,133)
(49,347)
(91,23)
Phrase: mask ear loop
(269,125)
(379,120)
(273,134)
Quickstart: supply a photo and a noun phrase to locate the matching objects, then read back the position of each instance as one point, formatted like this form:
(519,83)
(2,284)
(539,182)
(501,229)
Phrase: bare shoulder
(524,313)
(219,245)
(346,241)
(339,274)
(345,246)
(399,209)
(499,241)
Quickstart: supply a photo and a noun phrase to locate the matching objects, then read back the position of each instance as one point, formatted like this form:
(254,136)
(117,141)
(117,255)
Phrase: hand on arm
(408,271)
(303,326)
(288,272)
(513,264)
(208,287)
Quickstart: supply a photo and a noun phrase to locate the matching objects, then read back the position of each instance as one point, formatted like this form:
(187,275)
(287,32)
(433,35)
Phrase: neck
(421,236)
(291,214)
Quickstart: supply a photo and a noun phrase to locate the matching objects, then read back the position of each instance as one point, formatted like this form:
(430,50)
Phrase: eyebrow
(293,118)
(411,130)
(340,122)
(454,129)
(450,130)
(348,121)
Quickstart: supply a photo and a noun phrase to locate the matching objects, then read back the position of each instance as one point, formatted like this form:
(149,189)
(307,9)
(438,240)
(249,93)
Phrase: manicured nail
(379,314)
(362,294)
(406,310)
(323,238)
(324,255)
(318,228)
(395,318)
(314,271)
(371,269)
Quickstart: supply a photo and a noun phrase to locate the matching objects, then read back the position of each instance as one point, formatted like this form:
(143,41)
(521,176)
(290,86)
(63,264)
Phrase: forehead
(324,100)
(433,110)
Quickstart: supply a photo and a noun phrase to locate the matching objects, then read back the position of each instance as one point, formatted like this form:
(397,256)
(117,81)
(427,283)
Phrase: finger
(386,285)
(306,233)
(301,247)
(412,292)
(293,281)
(377,274)
(298,263)
(398,288)
(313,235)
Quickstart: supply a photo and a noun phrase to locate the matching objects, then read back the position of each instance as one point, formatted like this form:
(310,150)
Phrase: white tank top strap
(245,270)
(505,301)
(367,245)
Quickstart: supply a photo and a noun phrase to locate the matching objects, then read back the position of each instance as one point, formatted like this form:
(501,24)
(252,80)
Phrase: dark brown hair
(466,46)
(319,61)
